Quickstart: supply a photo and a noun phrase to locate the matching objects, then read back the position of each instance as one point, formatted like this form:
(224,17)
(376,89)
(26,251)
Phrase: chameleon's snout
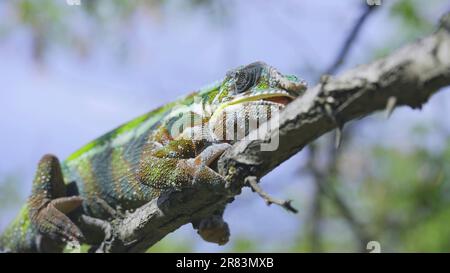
(296,86)
(289,83)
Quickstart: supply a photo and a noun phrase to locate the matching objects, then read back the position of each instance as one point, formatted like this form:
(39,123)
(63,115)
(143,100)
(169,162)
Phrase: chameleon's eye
(243,81)
(246,78)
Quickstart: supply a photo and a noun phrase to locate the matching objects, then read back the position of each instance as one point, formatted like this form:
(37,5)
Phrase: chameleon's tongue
(281,100)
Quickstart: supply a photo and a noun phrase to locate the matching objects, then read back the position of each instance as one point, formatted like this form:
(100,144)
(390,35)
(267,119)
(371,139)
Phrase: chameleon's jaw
(280,100)
(275,97)
(269,96)
(236,117)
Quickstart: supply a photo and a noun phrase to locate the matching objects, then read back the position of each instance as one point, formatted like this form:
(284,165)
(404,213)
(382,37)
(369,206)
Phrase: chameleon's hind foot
(214,229)
(48,205)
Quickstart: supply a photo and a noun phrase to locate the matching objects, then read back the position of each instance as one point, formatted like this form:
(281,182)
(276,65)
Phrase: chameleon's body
(134,163)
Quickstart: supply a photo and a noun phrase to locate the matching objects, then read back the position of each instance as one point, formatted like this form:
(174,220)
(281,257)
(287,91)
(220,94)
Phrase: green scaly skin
(133,164)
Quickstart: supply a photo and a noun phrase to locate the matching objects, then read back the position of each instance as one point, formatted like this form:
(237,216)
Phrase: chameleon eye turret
(246,77)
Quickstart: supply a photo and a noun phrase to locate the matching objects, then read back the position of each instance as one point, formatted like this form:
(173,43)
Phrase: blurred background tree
(71,73)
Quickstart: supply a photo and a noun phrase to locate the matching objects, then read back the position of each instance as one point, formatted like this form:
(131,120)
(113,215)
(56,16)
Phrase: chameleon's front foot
(214,229)
(189,172)
(48,205)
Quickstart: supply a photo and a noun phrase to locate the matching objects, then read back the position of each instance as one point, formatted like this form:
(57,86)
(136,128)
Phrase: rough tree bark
(408,76)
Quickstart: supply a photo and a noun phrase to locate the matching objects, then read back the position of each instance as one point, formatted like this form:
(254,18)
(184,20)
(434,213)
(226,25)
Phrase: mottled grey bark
(408,76)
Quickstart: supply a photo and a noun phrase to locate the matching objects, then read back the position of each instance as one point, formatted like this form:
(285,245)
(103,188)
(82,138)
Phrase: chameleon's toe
(211,153)
(214,230)
(51,220)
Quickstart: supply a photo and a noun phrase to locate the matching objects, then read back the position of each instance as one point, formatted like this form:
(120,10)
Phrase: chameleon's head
(250,91)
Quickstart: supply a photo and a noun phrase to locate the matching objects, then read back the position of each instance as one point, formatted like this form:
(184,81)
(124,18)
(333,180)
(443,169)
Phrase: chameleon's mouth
(279,97)
(276,97)
(248,107)
(283,100)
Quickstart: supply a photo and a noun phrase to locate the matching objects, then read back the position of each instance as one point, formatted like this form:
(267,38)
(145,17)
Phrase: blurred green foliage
(412,22)
(243,244)
(50,22)
(410,197)
(403,199)
(171,244)
(410,15)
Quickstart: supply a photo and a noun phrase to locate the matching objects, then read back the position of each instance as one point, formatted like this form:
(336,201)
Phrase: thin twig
(350,39)
(286,204)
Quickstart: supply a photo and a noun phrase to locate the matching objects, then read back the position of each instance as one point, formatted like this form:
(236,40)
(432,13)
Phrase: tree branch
(411,75)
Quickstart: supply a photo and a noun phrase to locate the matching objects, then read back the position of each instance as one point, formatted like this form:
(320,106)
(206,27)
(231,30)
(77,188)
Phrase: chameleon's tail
(49,205)
(19,236)
(42,224)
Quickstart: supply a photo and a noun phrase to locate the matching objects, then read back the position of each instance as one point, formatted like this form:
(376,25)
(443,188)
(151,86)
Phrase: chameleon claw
(214,229)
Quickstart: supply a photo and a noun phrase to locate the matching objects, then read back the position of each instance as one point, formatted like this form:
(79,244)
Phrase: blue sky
(61,105)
